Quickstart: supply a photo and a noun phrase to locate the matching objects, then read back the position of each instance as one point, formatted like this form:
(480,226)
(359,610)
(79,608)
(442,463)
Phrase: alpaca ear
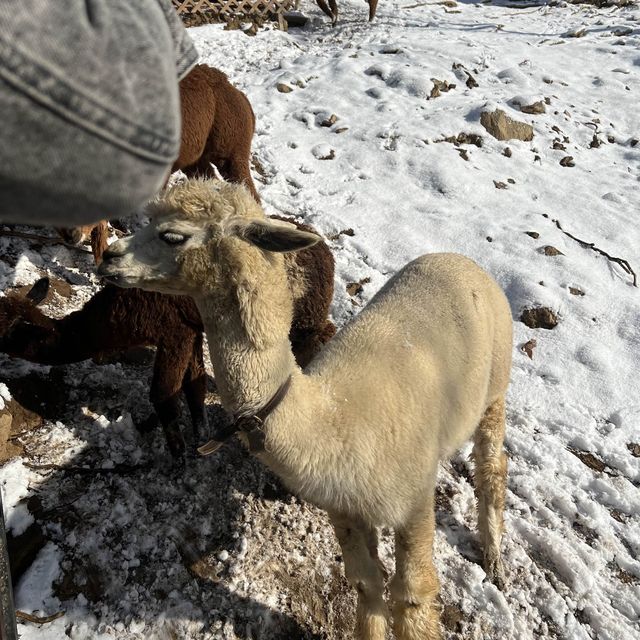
(39,291)
(274,235)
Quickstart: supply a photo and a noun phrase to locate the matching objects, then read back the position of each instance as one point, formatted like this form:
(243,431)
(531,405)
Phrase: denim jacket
(89,106)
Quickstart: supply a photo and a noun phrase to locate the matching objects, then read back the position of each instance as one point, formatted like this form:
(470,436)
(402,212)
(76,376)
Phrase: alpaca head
(207,238)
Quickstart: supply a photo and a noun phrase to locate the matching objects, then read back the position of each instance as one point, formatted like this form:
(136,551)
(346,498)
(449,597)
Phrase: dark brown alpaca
(217,127)
(117,319)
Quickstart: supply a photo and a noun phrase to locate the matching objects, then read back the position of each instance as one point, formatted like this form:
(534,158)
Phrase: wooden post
(8,630)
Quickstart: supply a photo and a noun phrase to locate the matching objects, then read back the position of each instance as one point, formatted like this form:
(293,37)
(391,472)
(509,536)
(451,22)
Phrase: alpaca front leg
(169,368)
(364,572)
(490,483)
(415,586)
(194,386)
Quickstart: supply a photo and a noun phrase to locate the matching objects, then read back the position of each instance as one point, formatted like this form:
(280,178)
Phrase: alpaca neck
(247,374)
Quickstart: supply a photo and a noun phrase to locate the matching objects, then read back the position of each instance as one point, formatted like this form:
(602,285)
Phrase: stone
(539,318)
(502,127)
(551,251)
(535,109)
(567,161)
(528,347)
(283,88)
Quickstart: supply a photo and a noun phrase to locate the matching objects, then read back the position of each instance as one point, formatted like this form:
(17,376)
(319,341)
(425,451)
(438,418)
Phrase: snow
(383,169)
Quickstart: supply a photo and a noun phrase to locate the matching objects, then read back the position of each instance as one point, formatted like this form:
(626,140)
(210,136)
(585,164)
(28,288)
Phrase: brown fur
(117,319)
(98,235)
(217,127)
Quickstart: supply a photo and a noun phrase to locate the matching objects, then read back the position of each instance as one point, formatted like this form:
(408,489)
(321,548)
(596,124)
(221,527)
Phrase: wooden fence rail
(227,10)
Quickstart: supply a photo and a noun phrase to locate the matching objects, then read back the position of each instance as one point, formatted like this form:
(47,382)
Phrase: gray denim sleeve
(89,106)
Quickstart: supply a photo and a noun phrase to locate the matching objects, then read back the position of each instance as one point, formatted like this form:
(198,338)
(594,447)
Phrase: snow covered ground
(221,550)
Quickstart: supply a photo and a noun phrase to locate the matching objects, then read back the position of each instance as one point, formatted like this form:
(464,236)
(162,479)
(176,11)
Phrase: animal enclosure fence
(195,12)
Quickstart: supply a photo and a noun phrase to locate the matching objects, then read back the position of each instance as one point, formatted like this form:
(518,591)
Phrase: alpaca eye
(171,237)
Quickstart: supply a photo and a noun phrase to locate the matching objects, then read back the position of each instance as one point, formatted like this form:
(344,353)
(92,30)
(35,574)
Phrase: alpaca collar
(252,424)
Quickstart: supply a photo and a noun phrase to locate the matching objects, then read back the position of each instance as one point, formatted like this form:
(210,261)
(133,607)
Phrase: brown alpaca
(97,234)
(218,124)
(332,9)
(217,127)
(115,319)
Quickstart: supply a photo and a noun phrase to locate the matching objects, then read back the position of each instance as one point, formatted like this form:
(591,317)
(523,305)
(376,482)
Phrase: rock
(344,232)
(634,448)
(23,549)
(535,108)
(464,74)
(576,33)
(341,129)
(539,318)
(507,152)
(440,86)
(323,152)
(502,127)
(567,161)
(283,88)
(551,251)
(295,19)
(558,145)
(464,138)
(354,288)
(533,234)
(574,291)
(499,185)
(511,181)
(611,139)
(633,142)
(528,347)
(330,121)
(463,154)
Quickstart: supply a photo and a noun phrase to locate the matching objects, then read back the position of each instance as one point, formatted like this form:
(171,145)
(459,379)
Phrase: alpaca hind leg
(325,8)
(373,5)
(364,572)
(415,587)
(490,482)
(237,170)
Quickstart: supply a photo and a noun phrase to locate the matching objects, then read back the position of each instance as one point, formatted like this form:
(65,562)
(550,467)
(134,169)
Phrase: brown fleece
(218,125)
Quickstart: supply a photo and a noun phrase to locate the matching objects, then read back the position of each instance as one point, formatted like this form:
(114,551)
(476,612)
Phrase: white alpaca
(423,368)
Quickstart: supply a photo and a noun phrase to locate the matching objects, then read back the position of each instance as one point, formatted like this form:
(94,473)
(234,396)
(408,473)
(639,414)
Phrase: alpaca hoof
(148,424)
(495,572)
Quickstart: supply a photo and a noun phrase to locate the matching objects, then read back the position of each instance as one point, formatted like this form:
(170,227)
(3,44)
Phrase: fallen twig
(590,245)
(28,617)
(123,469)
(42,239)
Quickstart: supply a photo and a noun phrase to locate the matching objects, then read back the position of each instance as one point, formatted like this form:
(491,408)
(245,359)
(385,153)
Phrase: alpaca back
(435,341)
